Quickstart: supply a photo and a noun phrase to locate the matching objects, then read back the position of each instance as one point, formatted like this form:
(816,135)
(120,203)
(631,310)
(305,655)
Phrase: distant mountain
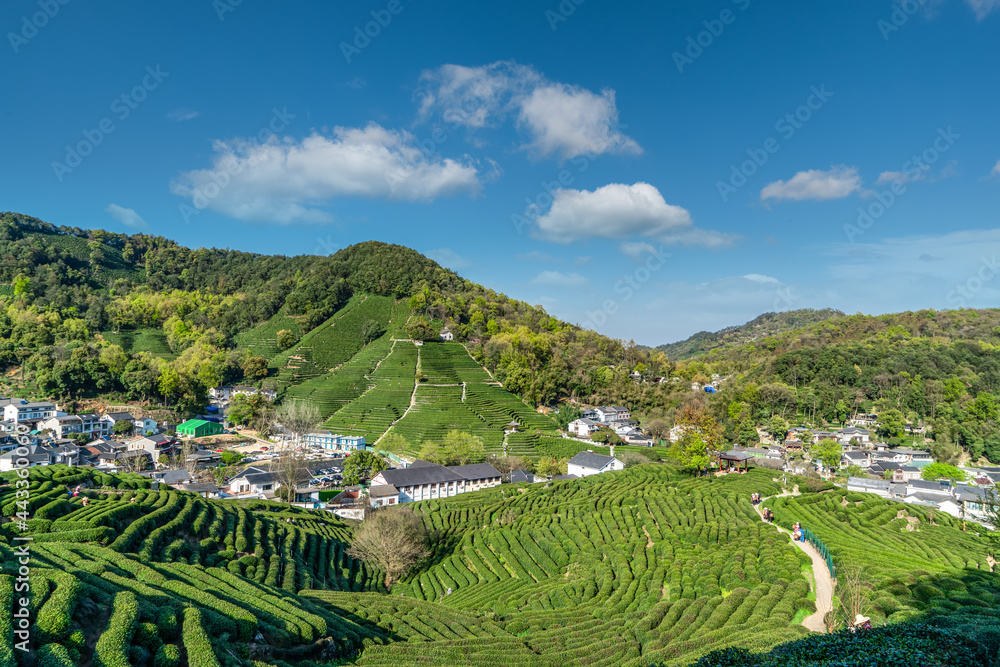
(768,324)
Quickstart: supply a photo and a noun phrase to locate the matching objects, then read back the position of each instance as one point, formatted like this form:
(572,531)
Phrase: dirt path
(413,401)
(822,584)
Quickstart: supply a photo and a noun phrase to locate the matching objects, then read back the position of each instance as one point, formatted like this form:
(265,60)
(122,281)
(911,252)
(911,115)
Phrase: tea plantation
(641,567)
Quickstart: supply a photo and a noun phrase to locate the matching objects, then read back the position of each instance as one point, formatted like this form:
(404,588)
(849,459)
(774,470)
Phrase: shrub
(167,656)
(112,647)
(196,642)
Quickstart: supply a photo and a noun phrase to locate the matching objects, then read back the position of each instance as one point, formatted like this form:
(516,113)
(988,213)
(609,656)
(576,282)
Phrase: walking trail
(822,583)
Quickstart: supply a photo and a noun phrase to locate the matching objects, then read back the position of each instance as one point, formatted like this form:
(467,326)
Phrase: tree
(122,427)
(506,464)
(890,424)
(253,410)
(827,451)
(456,448)
(701,435)
(777,427)
(394,443)
(393,540)
(659,429)
(550,467)
(230,458)
(298,417)
(630,459)
(991,517)
(943,471)
(362,465)
(291,471)
(420,329)
(746,433)
(854,470)
(284,339)
(255,368)
(371,330)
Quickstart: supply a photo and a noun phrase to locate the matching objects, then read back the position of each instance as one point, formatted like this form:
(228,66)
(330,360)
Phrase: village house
(334,441)
(879,487)
(583,428)
(254,481)
(521,475)
(119,461)
(862,419)
(900,472)
(37,456)
(423,480)
(157,445)
(861,435)
(446,334)
(21,411)
(228,392)
(63,425)
(588,463)
(860,459)
(612,414)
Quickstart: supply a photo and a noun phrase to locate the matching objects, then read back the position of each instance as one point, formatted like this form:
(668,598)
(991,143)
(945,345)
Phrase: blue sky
(648,170)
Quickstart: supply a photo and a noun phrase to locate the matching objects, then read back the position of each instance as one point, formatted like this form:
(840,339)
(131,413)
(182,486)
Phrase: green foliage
(362,465)
(828,452)
(943,471)
(455,448)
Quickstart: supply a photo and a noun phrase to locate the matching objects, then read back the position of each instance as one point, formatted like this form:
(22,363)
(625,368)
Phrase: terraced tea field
(457,393)
(913,565)
(337,340)
(640,567)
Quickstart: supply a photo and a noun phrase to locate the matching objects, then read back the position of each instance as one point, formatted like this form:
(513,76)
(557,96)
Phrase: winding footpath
(822,584)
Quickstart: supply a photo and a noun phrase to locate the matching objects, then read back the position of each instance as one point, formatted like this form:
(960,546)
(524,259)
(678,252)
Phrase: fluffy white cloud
(559,279)
(448,258)
(836,183)
(899,177)
(982,8)
(283,180)
(560,119)
(127,217)
(569,121)
(614,211)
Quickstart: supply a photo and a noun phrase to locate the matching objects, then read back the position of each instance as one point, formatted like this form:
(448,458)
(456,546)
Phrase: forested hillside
(938,367)
(88,312)
(768,324)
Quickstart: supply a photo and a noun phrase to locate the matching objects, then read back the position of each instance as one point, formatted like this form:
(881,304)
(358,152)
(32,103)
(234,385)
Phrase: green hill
(768,324)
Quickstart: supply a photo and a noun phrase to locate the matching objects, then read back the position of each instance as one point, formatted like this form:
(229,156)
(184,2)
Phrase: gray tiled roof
(476,471)
(591,460)
(420,473)
(866,483)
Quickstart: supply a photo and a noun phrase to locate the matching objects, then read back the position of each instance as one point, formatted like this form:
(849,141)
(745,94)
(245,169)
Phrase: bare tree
(852,590)
(506,464)
(393,540)
(188,459)
(292,471)
(298,417)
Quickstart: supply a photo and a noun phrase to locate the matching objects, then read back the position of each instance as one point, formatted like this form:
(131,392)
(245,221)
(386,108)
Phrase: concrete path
(822,583)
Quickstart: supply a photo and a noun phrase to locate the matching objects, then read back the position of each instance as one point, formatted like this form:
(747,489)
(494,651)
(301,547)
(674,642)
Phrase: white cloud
(560,119)
(127,217)
(762,279)
(995,172)
(982,8)
(559,279)
(569,121)
(816,184)
(448,258)
(284,181)
(614,211)
(898,177)
(181,115)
